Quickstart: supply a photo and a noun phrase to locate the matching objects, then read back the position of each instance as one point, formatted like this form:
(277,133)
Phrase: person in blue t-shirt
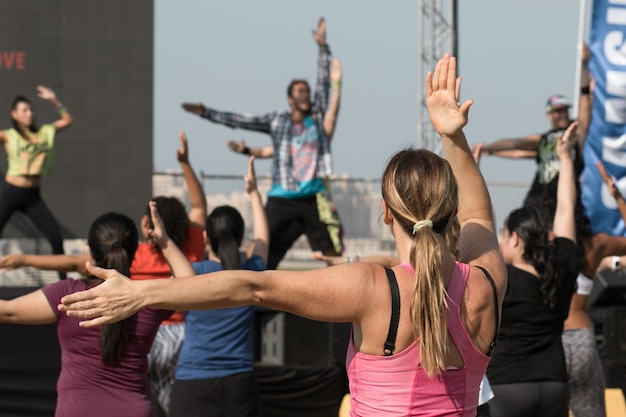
(215,374)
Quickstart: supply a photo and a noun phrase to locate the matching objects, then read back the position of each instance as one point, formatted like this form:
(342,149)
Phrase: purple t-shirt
(86,386)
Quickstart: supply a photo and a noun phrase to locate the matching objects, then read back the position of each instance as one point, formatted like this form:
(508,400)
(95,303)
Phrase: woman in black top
(527,370)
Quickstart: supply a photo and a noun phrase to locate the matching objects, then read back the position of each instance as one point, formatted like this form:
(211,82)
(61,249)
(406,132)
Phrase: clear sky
(239,55)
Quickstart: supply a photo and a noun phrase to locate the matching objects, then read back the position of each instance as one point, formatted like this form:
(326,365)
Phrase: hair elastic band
(422,223)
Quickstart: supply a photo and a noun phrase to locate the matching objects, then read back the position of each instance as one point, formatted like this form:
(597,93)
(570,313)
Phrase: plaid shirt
(279,126)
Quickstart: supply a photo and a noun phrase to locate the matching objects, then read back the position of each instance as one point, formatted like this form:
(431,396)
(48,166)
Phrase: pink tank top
(396,385)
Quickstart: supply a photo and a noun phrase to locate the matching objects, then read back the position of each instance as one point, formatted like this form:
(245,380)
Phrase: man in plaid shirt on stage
(299,200)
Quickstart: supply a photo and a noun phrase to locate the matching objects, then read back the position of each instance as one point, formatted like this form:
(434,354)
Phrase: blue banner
(606,140)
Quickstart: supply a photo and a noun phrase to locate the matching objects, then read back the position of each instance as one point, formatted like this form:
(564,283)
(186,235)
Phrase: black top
(548,165)
(529,345)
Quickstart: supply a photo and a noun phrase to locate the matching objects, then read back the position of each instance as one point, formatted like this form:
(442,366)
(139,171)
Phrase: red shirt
(150,263)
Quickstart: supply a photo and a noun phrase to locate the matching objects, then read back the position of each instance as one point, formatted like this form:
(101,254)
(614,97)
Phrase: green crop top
(26,158)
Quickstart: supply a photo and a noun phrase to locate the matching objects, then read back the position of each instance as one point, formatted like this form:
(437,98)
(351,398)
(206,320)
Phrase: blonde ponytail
(419,189)
(428,301)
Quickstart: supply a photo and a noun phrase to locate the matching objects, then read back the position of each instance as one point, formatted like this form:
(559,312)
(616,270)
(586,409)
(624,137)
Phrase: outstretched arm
(477,241)
(330,118)
(258,152)
(564,223)
(197,199)
(66,119)
(515,148)
(234,120)
(60,263)
(261,234)
(32,308)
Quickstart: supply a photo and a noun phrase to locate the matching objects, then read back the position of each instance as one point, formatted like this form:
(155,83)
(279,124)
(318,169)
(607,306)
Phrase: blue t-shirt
(304,151)
(218,343)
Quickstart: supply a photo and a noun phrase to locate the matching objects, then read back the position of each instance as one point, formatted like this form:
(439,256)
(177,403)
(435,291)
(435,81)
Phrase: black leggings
(287,219)
(233,395)
(527,399)
(29,202)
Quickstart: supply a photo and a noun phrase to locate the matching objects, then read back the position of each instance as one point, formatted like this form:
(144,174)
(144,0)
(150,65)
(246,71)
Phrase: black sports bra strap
(495,296)
(390,343)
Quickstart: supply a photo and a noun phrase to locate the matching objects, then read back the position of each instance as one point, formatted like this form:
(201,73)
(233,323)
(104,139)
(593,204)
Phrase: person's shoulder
(564,243)
(194,231)
(63,287)
(206,266)
(194,248)
(254,263)
(9,133)
(47,128)
(143,248)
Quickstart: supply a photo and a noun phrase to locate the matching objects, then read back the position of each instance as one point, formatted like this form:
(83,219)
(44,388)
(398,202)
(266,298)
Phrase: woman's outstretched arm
(31,308)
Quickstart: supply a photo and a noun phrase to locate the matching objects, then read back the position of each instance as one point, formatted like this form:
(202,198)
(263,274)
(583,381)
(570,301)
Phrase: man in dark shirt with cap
(542,146)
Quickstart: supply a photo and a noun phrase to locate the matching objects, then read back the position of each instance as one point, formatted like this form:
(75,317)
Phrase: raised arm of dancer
(31,308)
(239,146)
(260,230)
(330,118)
(178,262)
(60,263)
(197,199)
(564,224)
(320,99)
(609,181)
(66,118)
(584,100)
(478,243)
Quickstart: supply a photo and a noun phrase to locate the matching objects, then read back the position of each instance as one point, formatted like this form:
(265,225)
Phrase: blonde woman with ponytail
(422,330)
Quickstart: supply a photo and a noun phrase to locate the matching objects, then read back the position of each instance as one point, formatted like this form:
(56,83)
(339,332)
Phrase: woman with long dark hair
(30,156)
(215,372)
(527,371)
(585,375)
(103,371)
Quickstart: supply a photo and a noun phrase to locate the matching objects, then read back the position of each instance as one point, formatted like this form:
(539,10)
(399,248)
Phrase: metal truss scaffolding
(436,34)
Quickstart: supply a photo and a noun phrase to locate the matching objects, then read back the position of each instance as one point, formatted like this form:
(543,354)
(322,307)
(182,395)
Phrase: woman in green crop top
(30,155)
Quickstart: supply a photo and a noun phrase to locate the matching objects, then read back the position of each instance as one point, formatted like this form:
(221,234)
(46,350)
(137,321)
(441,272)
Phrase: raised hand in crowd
(319,35)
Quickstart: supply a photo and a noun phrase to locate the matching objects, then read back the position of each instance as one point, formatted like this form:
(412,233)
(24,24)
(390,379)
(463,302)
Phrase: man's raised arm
(320,100)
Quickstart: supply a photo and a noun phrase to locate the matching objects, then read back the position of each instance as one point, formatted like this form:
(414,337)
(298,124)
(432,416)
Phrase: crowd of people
(457,324)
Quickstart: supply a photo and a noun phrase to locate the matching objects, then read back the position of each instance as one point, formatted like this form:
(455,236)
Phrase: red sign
(13,60)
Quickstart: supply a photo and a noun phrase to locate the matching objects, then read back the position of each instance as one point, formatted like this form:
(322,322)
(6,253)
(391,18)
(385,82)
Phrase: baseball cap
(556,101)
